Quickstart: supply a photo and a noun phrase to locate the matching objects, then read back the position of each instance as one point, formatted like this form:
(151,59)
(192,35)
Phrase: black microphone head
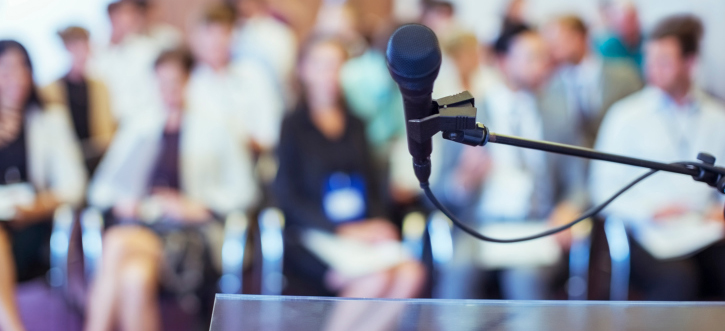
(414,57)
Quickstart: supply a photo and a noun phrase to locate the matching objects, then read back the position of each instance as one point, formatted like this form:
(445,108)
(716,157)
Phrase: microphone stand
(455,116)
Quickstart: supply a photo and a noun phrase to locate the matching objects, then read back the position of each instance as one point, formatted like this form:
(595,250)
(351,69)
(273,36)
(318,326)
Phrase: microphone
(414,60)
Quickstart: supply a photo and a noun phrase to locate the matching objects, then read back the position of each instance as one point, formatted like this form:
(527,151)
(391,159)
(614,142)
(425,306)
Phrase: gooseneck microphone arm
(456,120)
(414,60)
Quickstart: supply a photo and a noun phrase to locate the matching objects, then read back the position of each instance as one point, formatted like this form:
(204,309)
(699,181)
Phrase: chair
(579,257)
(619,252)
(440,232)
(236,229)
(271,234)
(271,227)
(414,234)
(60,238)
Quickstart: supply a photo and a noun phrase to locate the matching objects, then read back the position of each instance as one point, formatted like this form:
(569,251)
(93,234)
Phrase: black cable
(590,213)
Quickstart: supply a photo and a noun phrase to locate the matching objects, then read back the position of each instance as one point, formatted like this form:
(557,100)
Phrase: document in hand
(354,258)
(12,196)
(679,236)
(534,253)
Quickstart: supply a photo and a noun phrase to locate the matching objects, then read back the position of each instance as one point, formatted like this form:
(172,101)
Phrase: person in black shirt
(326,182)
(40,160)
(86,99)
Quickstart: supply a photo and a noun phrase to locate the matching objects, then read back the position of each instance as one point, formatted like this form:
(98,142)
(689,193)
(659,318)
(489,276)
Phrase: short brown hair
(73,33)
(141,5)
(687,29)
(219,14)
(459,41)
(573,23)
(181,56)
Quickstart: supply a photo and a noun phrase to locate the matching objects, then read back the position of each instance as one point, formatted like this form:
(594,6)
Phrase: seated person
(241,92)
(669,120)
(327,182)
(164,178)
(503,184)
(584,85)
(623,37)
(86,98)
(41,160)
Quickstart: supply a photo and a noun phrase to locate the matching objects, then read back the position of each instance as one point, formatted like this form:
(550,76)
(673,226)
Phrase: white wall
(34,23)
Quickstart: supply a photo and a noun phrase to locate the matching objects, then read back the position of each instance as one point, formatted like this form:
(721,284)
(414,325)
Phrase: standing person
(39,160)
(585,85)
(125,64)
(86,98)
(669,120)
(165,179)
(241,93)
(327,183)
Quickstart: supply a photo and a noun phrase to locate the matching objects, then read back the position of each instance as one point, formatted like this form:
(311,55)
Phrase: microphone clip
(455,116)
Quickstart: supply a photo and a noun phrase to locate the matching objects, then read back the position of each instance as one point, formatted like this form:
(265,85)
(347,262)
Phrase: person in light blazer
(38,151)
(178,170)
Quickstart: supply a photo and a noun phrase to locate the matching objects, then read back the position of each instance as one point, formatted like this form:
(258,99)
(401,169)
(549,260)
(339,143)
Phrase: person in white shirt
(584,85)
(163,174)
(503,183)
(125,65)
(262,37)
(41,168)
(670,120)
(241,93)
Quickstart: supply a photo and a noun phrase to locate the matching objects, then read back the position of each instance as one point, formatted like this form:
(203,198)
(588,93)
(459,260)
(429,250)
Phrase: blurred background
(154,153)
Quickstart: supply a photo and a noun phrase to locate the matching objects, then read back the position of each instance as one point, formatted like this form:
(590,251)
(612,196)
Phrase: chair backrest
(619,252)
(579,258)
(63,219)
(92,225)
(236,232)
(271,225)
(413,234)
(440,231)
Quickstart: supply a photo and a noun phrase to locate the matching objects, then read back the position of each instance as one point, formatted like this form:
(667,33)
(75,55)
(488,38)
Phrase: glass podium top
(254,312)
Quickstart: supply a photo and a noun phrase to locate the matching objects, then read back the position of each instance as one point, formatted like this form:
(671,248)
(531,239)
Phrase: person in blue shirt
(624,37)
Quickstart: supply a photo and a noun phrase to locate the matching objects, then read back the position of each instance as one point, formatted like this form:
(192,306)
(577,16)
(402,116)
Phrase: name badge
(344,197)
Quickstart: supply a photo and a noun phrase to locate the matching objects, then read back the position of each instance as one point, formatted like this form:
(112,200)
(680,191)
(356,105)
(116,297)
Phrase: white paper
(12,196)
(354,258)
(540,252)
(679,237)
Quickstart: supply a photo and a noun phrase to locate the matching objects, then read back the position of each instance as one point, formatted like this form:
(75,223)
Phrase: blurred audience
(325,164)
(86,98)
(671,119)
(240,93)
(177,140)
(585,85)
(41,168)
(172,170)
(623,37)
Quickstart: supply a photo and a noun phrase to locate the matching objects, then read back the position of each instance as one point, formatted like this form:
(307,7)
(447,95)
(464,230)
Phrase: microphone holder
(455,117)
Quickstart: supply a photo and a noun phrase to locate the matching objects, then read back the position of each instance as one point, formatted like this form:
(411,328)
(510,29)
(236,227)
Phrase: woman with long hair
(326,185)
(41,168)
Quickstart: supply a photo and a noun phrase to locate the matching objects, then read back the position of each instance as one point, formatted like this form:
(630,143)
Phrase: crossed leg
(125,291)
(9,315)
